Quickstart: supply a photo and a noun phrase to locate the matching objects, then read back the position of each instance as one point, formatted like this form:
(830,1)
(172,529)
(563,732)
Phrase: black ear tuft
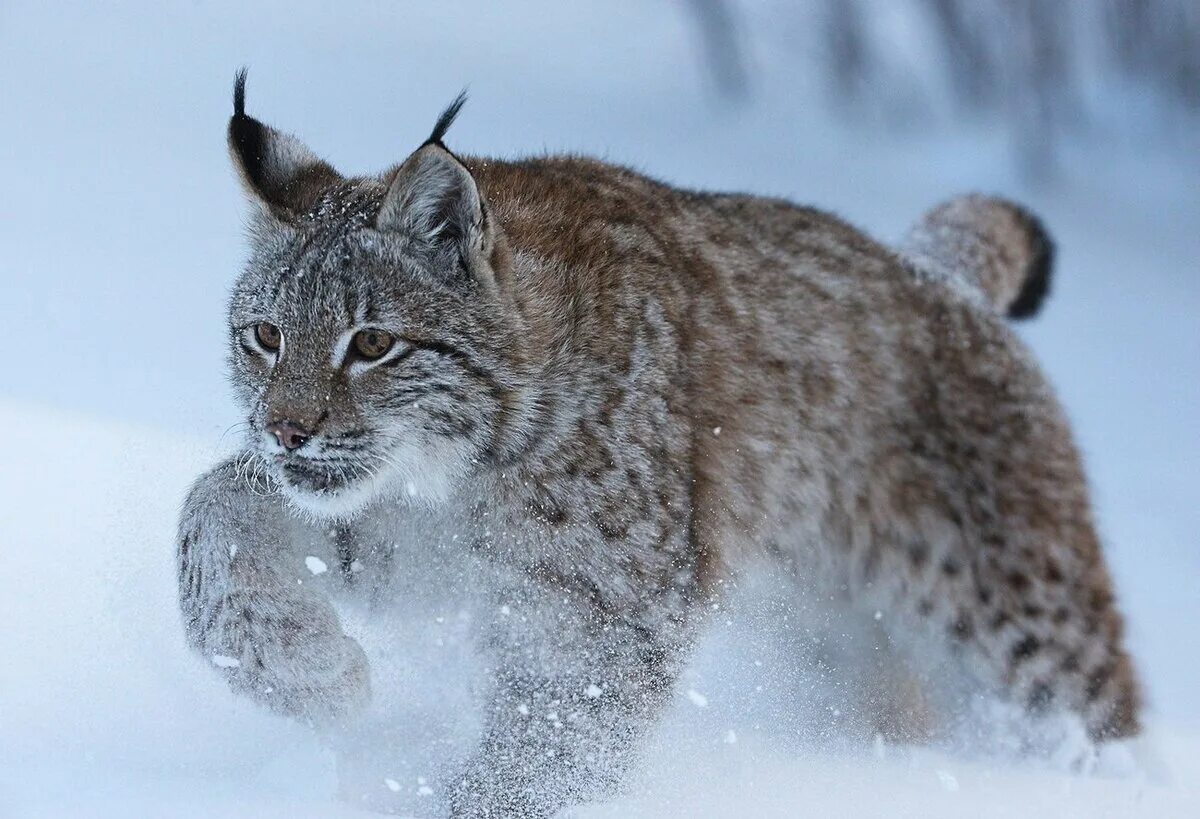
(247,136)
(239,92)
(276,168)
(446,119)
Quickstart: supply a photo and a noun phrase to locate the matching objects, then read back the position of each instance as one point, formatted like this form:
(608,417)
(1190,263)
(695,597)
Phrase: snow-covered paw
(1077,755)
(1060,739)
(338,691)
(306,668)
(349,692)
(1063,741)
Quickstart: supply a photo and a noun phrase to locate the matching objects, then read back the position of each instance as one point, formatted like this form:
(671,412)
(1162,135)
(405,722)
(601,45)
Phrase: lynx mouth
(319,477)
(326,488)
(337,485)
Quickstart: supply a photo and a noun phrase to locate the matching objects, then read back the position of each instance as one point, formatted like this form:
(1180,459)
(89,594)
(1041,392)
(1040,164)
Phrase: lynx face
(365,334)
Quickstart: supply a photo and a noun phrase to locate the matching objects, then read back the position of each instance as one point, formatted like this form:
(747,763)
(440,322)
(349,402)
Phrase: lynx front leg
(566,715)
(277,640)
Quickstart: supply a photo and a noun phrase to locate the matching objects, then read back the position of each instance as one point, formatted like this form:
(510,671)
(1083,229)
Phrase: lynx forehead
(528,363)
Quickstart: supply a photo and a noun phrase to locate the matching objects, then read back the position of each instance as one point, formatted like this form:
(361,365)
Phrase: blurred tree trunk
(1041,67)
(720,44)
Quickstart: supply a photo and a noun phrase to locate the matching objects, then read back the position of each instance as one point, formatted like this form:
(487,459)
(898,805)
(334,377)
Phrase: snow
(121,228)
(315,565)
(949,781)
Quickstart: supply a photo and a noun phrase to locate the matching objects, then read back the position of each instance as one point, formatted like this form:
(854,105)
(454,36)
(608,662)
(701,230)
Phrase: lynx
(609,396)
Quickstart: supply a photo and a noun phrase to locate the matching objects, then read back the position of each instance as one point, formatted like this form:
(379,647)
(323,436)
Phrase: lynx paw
(302,666)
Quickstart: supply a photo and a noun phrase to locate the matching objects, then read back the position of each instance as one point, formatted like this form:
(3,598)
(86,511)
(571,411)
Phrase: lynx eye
(372,344)
(268,336)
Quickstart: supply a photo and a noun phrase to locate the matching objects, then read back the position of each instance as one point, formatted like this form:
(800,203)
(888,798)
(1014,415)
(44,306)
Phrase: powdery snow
(103,710)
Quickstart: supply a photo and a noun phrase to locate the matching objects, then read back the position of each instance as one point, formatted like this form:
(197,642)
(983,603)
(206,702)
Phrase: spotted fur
(609,395)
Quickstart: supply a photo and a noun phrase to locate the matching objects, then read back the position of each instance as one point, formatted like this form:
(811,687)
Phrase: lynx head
(371,338)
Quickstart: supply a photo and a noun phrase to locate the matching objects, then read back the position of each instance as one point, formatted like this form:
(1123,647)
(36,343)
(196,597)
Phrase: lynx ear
(434,200)
(277,170)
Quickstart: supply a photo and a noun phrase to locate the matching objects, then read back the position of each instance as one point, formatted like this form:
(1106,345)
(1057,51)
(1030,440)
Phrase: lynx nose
(289,434)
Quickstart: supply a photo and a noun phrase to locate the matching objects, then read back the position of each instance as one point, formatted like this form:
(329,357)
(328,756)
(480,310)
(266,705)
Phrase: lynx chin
(609,397)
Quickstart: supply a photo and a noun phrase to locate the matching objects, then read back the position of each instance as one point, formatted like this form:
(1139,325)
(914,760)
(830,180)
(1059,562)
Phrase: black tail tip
(1038,274)
(239,92)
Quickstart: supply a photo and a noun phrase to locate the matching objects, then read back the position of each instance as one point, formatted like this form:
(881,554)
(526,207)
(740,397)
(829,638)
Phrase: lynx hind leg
(899,704)
(863,678)
(1028,614)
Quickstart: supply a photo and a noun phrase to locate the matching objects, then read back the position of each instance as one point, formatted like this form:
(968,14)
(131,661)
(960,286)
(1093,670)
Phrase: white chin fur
(346,503)
(410,474)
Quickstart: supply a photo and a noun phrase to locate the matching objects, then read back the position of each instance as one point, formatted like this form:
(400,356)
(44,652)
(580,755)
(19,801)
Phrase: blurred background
(121,229)
(1040,73)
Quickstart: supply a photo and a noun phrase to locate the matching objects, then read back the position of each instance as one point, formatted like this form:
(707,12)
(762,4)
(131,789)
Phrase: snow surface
(120,223)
